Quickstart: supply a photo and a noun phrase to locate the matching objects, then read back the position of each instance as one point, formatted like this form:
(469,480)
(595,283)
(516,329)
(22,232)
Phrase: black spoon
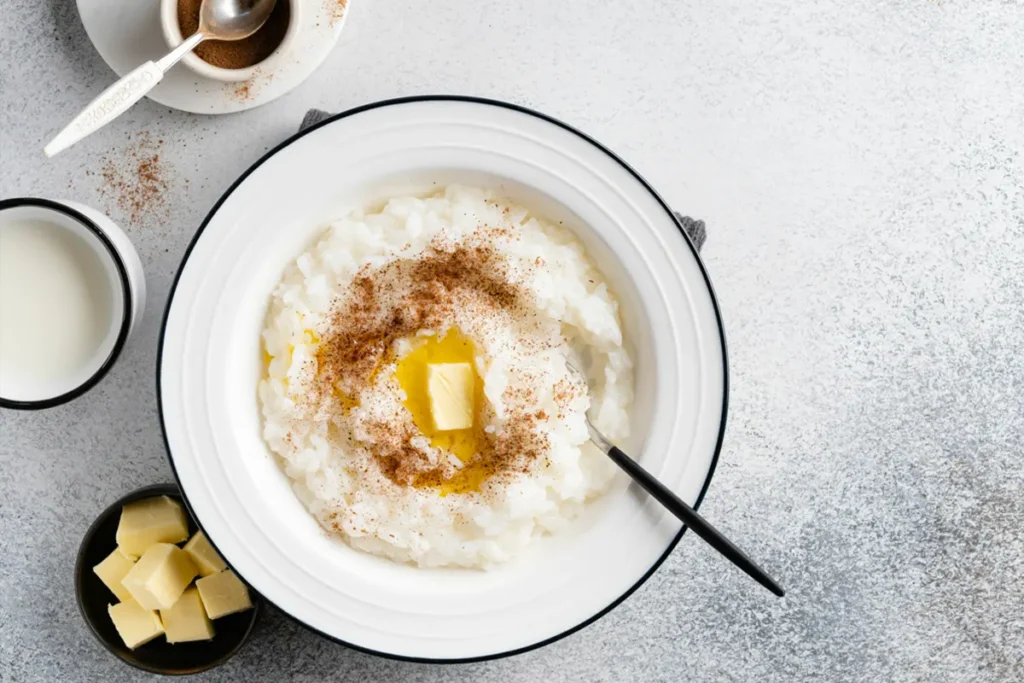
(677,507)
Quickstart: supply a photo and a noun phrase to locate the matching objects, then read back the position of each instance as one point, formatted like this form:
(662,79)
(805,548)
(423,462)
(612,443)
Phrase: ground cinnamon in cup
(236,54)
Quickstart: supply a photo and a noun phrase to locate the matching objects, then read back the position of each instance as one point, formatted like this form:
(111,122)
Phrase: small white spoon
(218,20)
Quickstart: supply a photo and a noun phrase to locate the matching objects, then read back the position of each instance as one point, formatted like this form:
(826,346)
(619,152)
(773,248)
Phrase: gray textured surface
(861,165)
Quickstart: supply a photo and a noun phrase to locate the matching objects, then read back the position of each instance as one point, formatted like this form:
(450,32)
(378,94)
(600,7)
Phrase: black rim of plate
(523,110)
(126,319)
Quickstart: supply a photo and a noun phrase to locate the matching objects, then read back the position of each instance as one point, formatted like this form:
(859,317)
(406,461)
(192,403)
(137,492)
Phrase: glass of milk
(72,291)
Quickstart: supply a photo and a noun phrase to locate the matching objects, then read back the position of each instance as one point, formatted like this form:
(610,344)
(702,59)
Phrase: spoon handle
(119,97)
(186,46)
(110,104)
(694,521)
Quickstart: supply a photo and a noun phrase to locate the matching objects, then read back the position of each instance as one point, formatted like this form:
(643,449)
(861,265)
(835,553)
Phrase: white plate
(210,362)
(127,33)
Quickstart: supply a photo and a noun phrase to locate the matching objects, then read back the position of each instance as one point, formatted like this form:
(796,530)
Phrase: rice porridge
(417,391)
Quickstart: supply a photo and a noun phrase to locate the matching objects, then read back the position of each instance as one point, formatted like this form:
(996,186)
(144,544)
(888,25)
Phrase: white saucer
(127,33)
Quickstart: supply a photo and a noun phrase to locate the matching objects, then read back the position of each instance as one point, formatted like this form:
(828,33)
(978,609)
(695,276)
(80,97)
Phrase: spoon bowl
(233,19)
(292,12)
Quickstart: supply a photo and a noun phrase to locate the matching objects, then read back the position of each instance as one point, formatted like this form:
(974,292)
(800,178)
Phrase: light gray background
(859,164)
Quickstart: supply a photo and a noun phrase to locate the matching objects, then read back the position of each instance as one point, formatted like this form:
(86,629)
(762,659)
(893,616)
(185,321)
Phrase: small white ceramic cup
(172,34)
(127,291)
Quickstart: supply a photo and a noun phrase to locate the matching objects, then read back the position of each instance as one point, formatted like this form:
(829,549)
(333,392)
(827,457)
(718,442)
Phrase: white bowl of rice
(435,235)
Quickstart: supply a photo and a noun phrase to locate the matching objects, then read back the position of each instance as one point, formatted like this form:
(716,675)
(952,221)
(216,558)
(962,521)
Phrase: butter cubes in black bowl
(154,590)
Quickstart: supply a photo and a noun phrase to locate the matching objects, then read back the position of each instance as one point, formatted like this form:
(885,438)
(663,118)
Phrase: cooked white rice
(327,452)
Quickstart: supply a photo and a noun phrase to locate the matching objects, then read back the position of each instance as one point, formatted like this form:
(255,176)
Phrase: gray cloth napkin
(694,229)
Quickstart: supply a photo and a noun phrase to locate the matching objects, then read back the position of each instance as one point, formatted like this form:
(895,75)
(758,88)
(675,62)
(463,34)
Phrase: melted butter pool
(411,371)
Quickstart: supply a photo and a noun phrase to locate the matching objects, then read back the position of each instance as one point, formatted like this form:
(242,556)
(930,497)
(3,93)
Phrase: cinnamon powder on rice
(363,329)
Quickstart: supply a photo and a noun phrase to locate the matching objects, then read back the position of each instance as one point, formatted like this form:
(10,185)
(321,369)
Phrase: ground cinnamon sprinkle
(363,329)
(136,179)
(243,91)
(442,280)
(336,10)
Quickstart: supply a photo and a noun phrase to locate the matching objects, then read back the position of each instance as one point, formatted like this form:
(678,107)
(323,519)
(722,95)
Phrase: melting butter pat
(450,387)
(186,621)
(223,593)
(160,576)
(203,555)
(111,570)
(134,623)
(153,520)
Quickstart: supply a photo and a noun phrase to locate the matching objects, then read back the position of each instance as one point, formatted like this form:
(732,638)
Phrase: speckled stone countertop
(860,166)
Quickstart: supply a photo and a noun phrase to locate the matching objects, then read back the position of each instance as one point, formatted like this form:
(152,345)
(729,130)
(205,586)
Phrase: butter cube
(206,559)
(149,521)
(223,594)
(187,620)
(160,576)
(111,570)
(450,388)
(134,623)
(128,556)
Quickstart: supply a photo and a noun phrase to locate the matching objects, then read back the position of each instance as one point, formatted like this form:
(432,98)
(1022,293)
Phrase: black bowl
(157,656)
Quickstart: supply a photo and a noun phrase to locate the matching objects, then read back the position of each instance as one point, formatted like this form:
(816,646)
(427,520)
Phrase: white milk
(56,304)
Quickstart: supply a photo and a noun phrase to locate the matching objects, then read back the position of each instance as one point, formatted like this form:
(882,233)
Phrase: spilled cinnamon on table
(135,179)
